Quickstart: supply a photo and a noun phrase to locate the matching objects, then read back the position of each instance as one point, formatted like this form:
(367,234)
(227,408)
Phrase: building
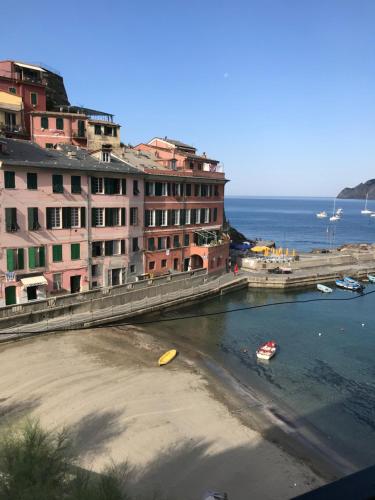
(69,221)
(11,115)
(184,209)
(83,127)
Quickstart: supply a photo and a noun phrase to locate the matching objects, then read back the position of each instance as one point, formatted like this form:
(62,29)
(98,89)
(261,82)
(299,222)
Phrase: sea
(292,222)
(324,371)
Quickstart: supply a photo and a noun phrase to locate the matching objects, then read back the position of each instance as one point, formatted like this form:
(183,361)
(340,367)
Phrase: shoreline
(273,421)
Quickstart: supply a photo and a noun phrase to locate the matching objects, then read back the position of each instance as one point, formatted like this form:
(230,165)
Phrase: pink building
(69,221)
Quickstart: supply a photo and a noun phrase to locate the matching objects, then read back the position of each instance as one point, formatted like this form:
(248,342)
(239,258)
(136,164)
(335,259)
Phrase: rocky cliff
(359,192)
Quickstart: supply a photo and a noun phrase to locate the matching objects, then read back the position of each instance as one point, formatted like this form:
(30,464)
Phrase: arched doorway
(196,262)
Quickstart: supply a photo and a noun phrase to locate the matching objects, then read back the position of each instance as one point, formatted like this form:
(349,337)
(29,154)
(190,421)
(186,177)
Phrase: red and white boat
(267,350)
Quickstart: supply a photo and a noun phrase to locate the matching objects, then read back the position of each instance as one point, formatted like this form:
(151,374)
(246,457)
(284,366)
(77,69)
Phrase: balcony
(12,129)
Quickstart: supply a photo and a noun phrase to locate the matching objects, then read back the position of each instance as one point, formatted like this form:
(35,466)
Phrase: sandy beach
(170,425)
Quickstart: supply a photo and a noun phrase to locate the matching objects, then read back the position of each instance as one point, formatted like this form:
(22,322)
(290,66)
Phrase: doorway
(75,284)
(31,293)
(116,277)
(175,264)
(10,295)
(186,264)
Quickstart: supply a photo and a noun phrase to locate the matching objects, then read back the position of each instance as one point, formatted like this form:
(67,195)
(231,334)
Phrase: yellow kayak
(167,357)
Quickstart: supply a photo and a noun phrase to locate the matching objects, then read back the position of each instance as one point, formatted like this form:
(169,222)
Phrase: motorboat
(324,288)
(339,211)
(371,278)
(366,211)
(349,284)
(321,215)
(267,350)
(335,218)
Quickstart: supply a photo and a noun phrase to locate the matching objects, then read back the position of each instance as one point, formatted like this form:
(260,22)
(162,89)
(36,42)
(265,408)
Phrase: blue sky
(282,92)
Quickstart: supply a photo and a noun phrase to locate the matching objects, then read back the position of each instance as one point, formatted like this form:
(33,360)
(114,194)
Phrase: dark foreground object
(357,486)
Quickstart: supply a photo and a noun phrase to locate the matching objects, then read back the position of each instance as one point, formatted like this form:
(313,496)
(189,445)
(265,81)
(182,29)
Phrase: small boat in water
(324,288)
(349,284)
(267,350)
(371,278)
(366,211)
(167,357)
(321,215)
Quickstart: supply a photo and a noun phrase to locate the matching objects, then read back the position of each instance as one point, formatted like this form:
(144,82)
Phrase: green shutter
(66,217)
(93,217)
(44,122)
(60,123)
(75,251)
(21,260)
(10,259)
(9,180)
(32,181)
(30,218)
(42,257)
(123,182)
(123,216)
(57,253)
(49,217)
(83,216)
(32,252)
(76,184)
(57,183)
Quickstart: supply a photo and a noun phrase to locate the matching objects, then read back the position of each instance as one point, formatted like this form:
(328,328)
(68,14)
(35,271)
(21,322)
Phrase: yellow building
(11,115)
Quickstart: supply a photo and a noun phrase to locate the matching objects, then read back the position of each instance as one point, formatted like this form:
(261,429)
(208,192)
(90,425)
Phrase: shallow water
(292,222)
(324,369)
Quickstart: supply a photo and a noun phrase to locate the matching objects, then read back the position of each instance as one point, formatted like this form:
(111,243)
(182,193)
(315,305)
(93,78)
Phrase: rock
(359,192)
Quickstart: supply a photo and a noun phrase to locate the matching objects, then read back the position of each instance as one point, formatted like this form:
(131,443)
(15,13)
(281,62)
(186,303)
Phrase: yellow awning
(34,281)
(259,249)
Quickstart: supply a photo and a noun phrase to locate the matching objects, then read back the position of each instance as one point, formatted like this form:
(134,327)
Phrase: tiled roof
(26,153)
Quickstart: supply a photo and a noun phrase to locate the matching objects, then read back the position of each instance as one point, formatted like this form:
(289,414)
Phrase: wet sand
(178,428)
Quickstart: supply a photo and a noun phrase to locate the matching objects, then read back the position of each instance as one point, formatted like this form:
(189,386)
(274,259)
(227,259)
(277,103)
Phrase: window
(215,215)
(97,248)
(44,122)
(98,217)
(59,123)
(75,217)
(193,218)
(97,185)
(123,186)
(164,217)
(15,259)
(151,265)
(162,242)
(11,220)
(132,268)
(204,190)
(32,217)
(174,164)
(188,189)
(135,246)
(200,166)
(176,217)
(36,257)
(49,145)
(198,216)
(216,190)
(108,247)
(151,244)
(76,184)
(164,263)
(133,216)
(9,179)
(57,281)
(75,251)
(187,216)
(94,270)
(112,186)
(116,247)
(108,130)
(186,240)
(191,165)
(57,183)
(97,129)
(135,188)
(12,90)
(206,215)
(149,218)
(57,253)
(112,217)
(34,98)
(32,180)
(54,218)
(175,264)
(158,188)
(81,128)
(197,189)
(105,156)
(176,241)
(150,188)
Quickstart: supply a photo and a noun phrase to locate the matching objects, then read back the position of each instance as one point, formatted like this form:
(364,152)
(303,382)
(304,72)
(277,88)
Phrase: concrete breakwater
(102,306)
(309,269)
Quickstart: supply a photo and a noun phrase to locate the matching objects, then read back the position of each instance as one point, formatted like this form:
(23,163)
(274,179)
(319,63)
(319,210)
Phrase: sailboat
(335,215)
(366,211)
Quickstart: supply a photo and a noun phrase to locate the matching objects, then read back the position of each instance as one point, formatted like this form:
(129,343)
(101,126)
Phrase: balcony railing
(12,129)
(15,75)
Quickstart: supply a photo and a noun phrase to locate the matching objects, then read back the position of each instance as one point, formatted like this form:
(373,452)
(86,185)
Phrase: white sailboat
(366,211)
(335,215)
(321,215)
